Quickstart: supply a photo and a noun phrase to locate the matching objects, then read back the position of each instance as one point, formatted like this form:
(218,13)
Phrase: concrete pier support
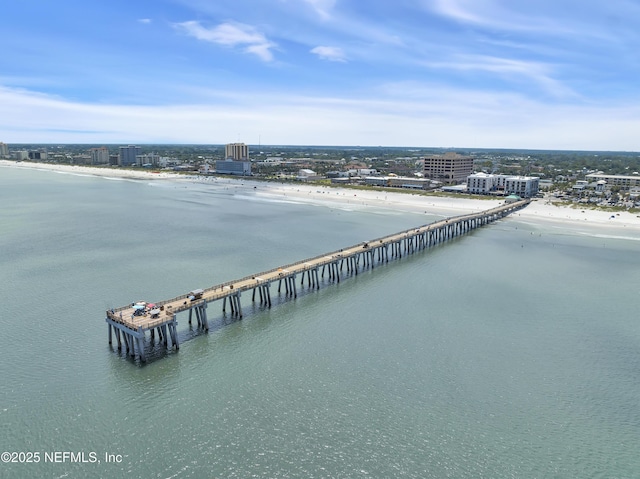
(235,305)
(238,304)
(264,294)
(203,316)
(267,293)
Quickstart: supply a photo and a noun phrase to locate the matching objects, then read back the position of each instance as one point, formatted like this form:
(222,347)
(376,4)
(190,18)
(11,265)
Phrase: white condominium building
(523,186)
(622,181)
(482,183)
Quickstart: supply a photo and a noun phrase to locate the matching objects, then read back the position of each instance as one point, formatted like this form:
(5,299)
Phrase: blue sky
(548,74)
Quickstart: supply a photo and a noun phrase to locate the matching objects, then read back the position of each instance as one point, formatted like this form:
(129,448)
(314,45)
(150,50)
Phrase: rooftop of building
(622,177)
(448,155)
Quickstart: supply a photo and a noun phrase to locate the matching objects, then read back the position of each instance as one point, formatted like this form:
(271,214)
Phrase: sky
(544,74)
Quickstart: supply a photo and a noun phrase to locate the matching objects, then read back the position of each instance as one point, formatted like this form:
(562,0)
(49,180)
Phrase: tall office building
(236,151)
(450,168)
(128,155)
(99,156)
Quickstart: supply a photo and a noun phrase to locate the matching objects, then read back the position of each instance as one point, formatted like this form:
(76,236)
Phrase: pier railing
(221,286)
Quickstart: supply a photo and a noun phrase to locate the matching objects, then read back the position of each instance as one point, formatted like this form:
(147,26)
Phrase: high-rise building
(236,151)
(236,160)
(38,155)
(128,155)
(450,168)
(4,150)
(99,156)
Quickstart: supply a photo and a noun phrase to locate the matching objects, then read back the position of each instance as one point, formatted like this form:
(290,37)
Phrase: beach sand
(92,170)
(540,210)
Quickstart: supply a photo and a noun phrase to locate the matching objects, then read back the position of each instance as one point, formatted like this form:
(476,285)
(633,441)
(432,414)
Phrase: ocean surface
(511,352)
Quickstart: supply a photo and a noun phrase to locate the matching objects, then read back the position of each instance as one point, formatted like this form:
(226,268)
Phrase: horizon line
(450,148)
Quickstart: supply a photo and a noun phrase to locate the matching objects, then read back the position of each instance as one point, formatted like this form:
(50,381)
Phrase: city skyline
(441,73)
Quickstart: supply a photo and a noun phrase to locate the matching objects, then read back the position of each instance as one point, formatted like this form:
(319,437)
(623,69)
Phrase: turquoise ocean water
(512,352)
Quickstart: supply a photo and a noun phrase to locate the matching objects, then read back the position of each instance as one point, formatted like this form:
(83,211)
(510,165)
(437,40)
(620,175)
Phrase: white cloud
(322,7)
(536,72)
(575,20)
(403,114)
(144,20)
(453,9)
(232,34)
(494,14)
(334,54)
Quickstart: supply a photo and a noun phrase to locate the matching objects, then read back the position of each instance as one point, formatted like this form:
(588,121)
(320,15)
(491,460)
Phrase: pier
(131,323)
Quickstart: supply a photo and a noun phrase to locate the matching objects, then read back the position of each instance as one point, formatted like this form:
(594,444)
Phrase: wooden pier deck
(133,321)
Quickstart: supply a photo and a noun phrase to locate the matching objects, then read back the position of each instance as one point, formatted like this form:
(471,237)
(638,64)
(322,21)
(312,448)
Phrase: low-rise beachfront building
(523,186)
(381,181)
(545,184)
(580,186)
(232,167)
(362,172)
(81,159)
(306,174)
(634,193)
(148,159)
(461,188)
(398,182)
(481,183)
(621,181)
(341,180)
(408,182)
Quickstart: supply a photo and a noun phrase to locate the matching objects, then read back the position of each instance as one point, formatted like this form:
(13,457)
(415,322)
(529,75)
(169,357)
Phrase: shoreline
(91,170)
(540,210)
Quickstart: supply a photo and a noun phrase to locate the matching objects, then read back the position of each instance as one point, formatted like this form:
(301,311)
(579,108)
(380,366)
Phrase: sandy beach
(91,170)
(539,210)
